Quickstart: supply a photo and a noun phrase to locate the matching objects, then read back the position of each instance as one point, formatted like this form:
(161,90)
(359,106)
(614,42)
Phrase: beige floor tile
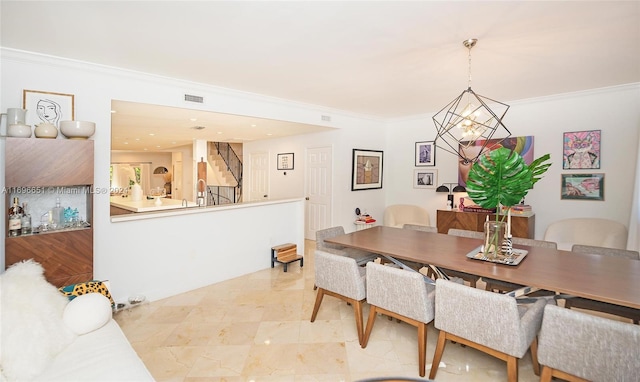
(256,328)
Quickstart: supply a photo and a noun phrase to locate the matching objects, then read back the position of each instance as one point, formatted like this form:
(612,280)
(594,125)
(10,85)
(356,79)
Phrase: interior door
(259,176)
(318,200)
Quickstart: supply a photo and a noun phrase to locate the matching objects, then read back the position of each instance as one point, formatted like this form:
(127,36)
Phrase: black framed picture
(285,161)
(582,186)
(425,153)
(366,170)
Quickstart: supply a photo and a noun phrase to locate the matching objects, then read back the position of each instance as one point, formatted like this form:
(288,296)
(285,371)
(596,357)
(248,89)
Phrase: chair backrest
(327,233)
(591,347)
(534,243)
(588,231)
(418,227)
(400,291)
(579,248)
(466,233)
(339,274)
(483,317)
(398,214)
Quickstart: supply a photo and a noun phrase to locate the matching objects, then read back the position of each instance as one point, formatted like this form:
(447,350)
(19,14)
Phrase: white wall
(612,110)
(141,256)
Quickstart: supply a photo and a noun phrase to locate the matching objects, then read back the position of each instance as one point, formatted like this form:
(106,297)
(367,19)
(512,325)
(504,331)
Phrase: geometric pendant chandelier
(469,121)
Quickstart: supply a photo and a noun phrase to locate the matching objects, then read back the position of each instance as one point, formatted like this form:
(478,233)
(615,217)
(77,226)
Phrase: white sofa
(44,337)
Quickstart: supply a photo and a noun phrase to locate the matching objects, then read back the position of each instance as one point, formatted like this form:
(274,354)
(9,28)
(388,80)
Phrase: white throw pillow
(31,327)
(87,313)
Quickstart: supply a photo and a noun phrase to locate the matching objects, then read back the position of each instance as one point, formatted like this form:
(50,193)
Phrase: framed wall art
(582,186)
(581,150)
(47,107)
(522,145)
(425,153)
(285,161)
(366,170)
(425,178)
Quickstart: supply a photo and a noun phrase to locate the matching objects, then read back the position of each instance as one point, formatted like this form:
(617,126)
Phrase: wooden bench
(285,254)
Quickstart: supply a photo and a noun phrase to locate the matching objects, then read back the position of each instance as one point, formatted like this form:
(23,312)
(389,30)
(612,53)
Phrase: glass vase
(493,235)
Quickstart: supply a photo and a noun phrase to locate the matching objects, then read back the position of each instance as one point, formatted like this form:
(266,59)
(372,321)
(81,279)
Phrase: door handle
(307,198)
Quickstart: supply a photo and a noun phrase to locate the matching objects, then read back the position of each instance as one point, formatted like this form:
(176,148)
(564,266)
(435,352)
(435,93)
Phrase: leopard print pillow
(74,290)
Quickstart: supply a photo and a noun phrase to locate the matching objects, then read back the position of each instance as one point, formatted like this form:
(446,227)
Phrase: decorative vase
(493,237)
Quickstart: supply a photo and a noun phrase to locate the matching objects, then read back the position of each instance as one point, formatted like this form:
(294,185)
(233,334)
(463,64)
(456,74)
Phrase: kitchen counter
(148,205)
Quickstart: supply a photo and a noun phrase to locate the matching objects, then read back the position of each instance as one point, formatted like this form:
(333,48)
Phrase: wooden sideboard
(46,169)
(521,226)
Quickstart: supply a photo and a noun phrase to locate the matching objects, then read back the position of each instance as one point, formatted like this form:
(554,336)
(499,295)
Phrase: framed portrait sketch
(582,186)
(425,178)
(285,161)
(425,153)
(581,150)
(366,170)
(47,107)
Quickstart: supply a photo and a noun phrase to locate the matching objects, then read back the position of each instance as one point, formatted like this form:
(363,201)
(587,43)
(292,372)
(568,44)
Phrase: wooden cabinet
(41,170)
(521,226)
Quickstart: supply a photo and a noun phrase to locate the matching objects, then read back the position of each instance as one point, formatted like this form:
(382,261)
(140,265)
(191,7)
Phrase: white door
(318,175)
(259,179)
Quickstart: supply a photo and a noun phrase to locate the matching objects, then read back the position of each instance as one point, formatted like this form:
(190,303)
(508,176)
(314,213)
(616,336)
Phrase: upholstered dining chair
(397,215)
(468,277)
(340,277)
(576,346)
(587,231)
(599,306)
(361,257)
(403,295)
(490,322)
(503,286)
(418,227)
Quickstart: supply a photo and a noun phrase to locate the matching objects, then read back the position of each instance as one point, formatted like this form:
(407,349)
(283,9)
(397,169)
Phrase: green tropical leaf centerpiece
(501,178)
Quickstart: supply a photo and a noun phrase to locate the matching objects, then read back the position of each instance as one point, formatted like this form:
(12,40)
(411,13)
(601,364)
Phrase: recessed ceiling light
(158,146)
(151,134)
(126,143)
(137,139)
(253,125)
(193,119)
(269,134)
(219,132)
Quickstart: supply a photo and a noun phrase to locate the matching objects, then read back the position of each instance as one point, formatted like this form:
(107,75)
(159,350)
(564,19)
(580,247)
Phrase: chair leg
(370,322)
(319,297)
(422,348)
(437,355)
(357,310)
(512,369)
(534,356)
(545,376)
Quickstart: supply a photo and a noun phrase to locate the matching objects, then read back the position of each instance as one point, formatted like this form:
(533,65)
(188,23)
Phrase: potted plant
(501,178)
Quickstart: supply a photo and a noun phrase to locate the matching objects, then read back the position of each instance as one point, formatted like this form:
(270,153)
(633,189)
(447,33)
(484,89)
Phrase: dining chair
(599,306)
(419,227)
(490,322)
(468,277)
(504,286)
(576,346)
(342,278)
(587,231)
(403,295)
(361,257)
(398,214)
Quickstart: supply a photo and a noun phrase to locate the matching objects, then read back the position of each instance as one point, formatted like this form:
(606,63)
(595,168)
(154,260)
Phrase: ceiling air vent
(193,98)
(325,118)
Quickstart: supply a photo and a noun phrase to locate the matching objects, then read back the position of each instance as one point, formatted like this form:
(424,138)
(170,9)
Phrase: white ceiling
(385,59)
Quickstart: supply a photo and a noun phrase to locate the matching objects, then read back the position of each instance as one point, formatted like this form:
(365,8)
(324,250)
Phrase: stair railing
(234,164)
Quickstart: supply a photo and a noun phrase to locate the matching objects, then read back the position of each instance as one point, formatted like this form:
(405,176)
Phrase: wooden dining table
(609,279)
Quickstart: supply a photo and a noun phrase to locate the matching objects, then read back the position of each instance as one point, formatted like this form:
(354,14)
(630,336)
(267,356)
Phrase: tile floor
(256,328)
